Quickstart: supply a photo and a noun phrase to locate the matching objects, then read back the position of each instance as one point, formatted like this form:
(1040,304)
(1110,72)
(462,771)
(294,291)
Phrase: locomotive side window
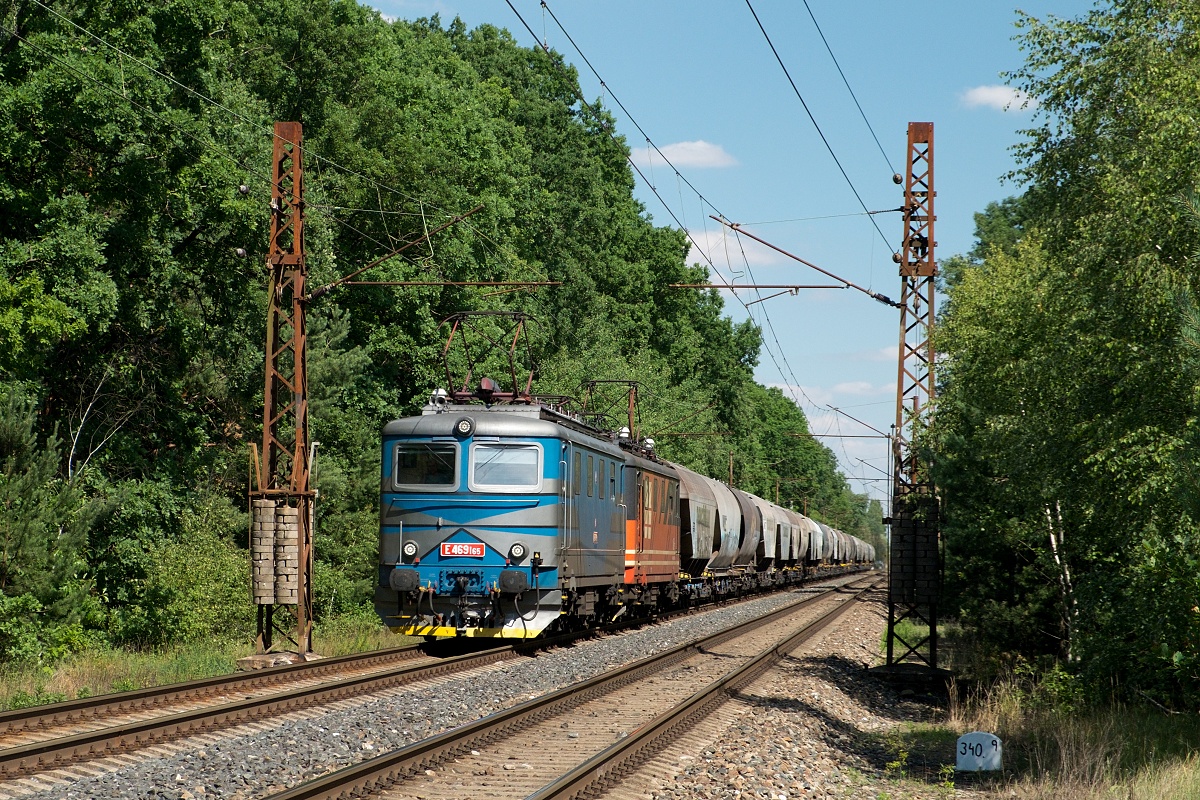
(591,475)
(577,475)
(426,465)
(600,481)
(506,467)
(612,480)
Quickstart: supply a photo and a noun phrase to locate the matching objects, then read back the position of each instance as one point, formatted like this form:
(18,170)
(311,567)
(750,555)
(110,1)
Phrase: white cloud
(836,395)
(857,388)
(698,155)
(887,355)
(1000,98)
(808,396)
(726,251)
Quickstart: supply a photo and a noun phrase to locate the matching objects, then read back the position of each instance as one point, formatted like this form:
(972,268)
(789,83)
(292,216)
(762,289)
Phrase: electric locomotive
(496,522)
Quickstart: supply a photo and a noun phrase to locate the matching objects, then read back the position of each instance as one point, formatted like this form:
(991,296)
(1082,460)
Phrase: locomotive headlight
(409,550)
(517,552)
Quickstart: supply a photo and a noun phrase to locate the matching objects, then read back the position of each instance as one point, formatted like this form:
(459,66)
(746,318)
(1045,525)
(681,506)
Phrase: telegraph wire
(852,95)
(167,125)
(212,147)
(813,119)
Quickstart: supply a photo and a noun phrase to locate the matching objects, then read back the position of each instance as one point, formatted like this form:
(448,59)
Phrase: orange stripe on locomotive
(652,530)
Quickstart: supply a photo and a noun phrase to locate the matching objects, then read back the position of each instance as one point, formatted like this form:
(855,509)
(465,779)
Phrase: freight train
(517,520)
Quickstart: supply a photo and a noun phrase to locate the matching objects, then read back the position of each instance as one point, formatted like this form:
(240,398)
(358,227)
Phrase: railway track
(44,738)
(580,738)
(82,730)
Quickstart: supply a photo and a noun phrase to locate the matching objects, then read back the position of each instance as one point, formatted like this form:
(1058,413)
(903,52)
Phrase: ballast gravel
(282,754)
(816,726)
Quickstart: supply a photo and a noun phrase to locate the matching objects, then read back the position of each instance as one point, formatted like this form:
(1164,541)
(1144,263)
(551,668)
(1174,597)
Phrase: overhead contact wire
(813,119)
(612,135)
(853,97)
(621,105)
(546,9)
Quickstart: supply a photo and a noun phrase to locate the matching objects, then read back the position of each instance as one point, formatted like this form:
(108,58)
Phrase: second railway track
(118,725)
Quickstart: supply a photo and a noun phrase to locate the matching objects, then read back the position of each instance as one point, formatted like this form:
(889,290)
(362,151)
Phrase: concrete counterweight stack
(287,555)
(262,552)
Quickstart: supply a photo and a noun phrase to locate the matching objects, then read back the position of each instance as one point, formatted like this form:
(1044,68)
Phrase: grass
(117,670)
(1088,751)
(1058,744)
(1103,754)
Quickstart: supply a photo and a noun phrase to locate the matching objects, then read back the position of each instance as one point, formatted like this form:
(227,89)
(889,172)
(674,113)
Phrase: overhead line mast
(282,504)
(915,569)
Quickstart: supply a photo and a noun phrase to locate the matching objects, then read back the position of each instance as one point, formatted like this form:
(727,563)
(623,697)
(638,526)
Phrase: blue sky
(702,82)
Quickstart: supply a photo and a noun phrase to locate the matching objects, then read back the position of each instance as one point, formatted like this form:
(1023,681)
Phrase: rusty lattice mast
(282,499)
(915,571)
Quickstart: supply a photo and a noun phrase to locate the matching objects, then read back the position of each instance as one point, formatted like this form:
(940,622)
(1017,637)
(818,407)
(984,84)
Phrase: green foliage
(43,518)
(204,575)
(27,638)
(1065,432)
(36,698)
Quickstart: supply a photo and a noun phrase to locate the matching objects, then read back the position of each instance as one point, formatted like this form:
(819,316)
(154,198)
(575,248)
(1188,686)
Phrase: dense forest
(1065,439)
(135,143)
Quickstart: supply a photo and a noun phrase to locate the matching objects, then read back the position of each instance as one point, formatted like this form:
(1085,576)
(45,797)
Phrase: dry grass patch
(106,671)
(1084,751)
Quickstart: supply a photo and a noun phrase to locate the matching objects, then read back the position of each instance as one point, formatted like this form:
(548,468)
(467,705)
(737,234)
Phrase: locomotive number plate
(460,549)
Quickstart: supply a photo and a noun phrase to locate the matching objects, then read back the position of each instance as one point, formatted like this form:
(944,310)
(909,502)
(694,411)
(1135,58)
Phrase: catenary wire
(679,176)
(854,97)
(813,119)
(330,162)
(546,9)
(771,326)
(612,135)
(621,105)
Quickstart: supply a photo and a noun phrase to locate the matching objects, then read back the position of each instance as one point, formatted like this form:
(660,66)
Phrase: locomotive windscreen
(506,466)
(425,464)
